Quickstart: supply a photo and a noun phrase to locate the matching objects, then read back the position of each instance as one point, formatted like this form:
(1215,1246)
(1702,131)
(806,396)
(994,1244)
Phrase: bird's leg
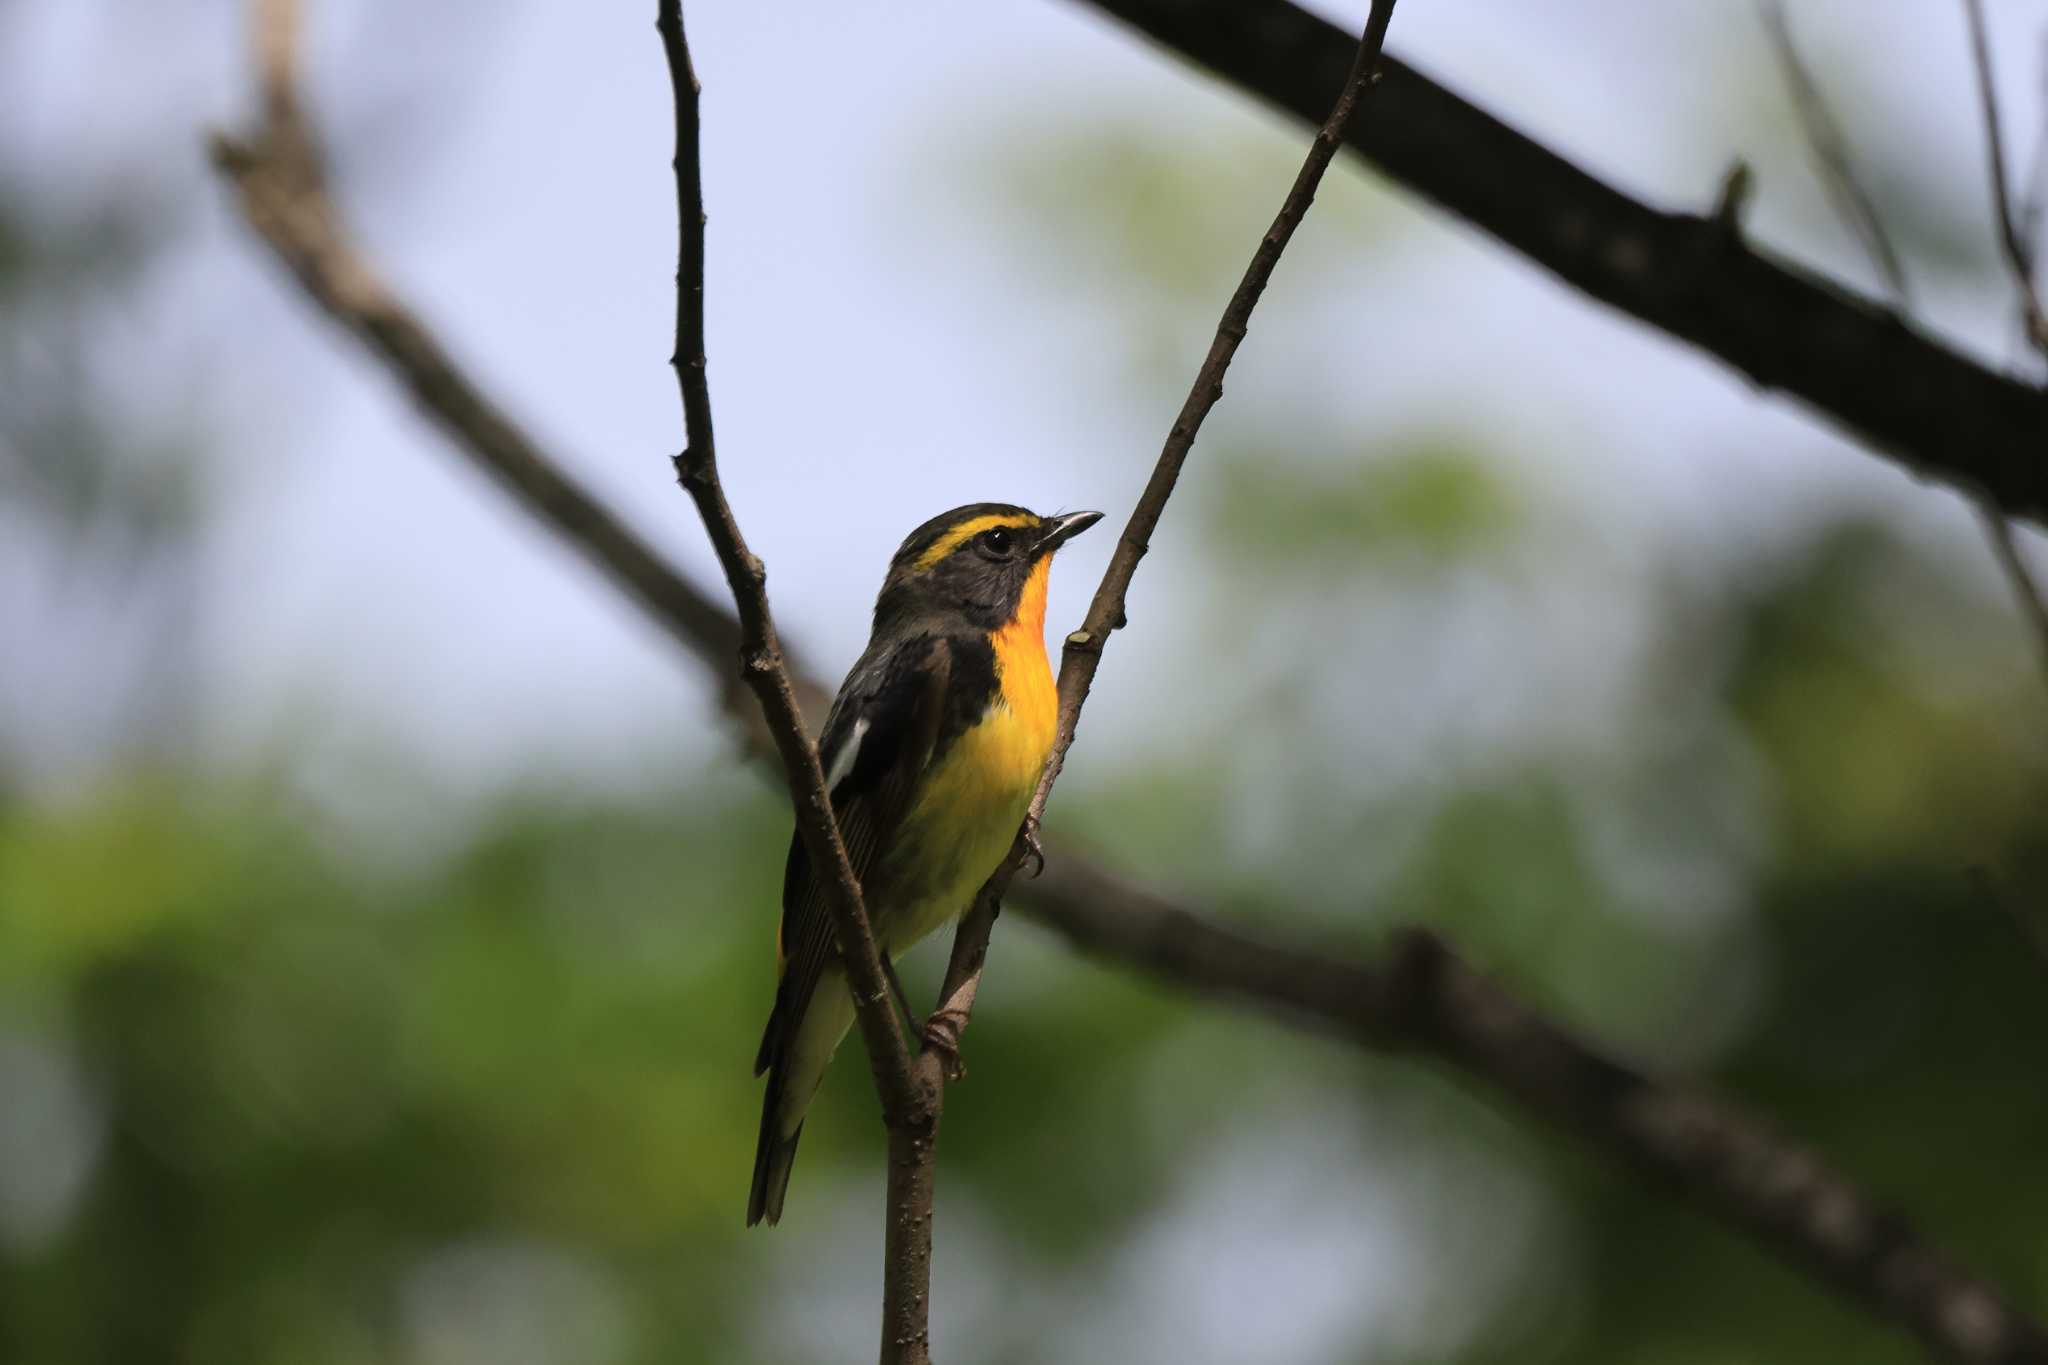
(902,996)
(941,1032)
(942,1035)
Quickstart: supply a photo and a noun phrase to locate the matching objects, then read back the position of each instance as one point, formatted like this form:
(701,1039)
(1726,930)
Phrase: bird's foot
(942,1035)
(1034,851)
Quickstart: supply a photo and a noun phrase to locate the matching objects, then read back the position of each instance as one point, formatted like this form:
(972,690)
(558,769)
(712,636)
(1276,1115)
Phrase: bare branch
(2019,256)
(2035,199)
(1082,654)
(1425,998)
(761,662)
(1829,149)
(911,1093)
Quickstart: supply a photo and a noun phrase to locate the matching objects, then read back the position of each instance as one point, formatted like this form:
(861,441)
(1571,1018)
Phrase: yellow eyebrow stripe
(966,531)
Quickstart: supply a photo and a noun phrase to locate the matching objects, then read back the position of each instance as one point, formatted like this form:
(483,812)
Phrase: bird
(931,753)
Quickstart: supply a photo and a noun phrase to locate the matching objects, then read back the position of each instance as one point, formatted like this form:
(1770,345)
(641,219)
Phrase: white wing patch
(842,762)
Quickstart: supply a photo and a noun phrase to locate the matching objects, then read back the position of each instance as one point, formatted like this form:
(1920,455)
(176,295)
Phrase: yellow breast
(975,797)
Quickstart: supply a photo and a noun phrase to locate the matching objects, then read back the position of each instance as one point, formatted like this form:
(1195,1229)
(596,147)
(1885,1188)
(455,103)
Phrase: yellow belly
(963,823)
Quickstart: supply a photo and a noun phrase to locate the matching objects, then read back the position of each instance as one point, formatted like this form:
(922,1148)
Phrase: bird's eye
(998,540)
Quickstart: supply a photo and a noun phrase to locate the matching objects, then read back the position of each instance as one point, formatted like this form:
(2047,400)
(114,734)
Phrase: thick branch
(1425,998)
(1897,391)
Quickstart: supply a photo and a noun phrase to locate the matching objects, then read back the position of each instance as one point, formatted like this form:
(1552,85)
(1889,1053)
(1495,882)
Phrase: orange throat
(1026,676)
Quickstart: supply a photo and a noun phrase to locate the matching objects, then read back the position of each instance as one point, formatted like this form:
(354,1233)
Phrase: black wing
(878,741)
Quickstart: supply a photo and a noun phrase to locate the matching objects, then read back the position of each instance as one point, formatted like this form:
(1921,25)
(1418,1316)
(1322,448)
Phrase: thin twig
(1082,654)
(910,1171)
(1829,149)
(2035,198)
(904,1102)
(1530,1059)
(911,1090)
(2019,256)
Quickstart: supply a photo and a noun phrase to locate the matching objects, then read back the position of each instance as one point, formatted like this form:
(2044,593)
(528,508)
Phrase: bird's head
(983,563)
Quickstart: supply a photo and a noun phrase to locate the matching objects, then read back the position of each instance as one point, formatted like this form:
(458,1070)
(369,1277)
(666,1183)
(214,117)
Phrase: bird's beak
(1060,530)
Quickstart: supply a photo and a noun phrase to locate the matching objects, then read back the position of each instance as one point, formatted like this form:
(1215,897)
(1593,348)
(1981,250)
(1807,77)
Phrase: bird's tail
(795,1050)
(774,1158)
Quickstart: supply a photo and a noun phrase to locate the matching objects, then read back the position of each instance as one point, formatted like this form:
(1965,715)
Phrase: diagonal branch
(1082,654)
(1424,999)
(1898,392)
(276,171)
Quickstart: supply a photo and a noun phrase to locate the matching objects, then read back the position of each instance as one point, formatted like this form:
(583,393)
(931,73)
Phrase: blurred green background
(322,1043)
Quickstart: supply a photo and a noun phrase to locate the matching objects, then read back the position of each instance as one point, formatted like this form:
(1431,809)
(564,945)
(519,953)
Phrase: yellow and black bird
(931,753)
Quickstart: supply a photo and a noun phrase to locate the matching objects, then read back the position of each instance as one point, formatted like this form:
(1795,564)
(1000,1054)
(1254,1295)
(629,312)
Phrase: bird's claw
(1034,851)
(942,1035)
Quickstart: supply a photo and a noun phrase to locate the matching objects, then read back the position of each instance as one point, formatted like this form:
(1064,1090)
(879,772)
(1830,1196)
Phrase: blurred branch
(1424,998)
(1897,391)
(2035,199)
(1828,147)
(907,1105)
(1829,150)
(276,172)
(2018,252)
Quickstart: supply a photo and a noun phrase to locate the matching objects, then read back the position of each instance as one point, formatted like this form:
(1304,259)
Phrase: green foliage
(1438,501)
